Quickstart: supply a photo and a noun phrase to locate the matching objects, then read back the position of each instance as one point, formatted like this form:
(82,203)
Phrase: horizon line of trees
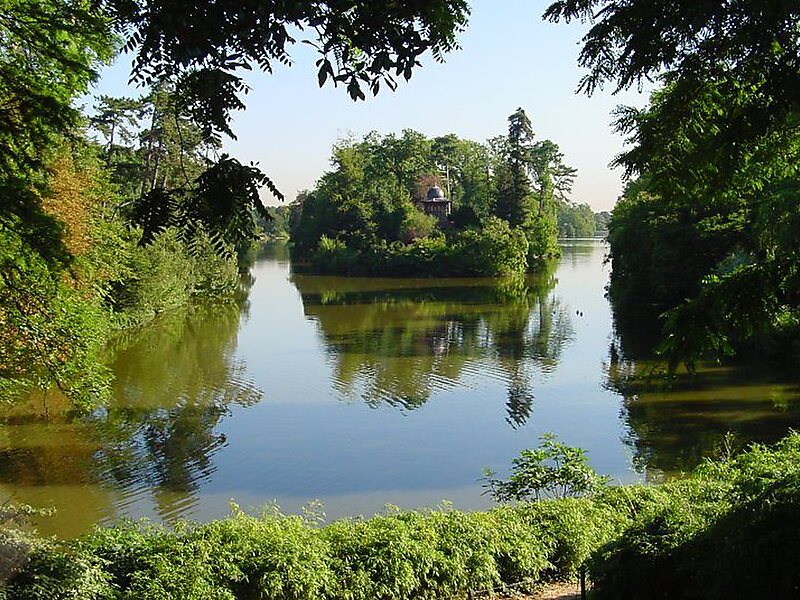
(574,220)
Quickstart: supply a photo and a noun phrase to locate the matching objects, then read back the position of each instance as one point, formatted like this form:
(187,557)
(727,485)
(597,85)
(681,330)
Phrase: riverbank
(729,530)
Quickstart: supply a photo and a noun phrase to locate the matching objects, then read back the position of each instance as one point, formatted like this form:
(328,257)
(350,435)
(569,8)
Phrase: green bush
(729,531)
(571,529)
(213,275)
(157,280)
(398,555)
(551,470)
(166,274)
(542,236)
(495,249)
(49,332)
(333,256)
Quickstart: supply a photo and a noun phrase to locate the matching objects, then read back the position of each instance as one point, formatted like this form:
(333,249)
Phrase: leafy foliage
(178,185)
(276,227)
(49,51)
(50,334)
(715,157)
(634,40)
(226,200)
(552,470)
(716,234)
(433,554)
(154,212)
(494,249)
(726,531)
(56,312)
(202,49)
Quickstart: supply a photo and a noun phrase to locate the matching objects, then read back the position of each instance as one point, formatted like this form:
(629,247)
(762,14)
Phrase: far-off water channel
(366,392)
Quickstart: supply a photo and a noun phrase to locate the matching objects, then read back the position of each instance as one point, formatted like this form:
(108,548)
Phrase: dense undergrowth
(729,530)
(492,250)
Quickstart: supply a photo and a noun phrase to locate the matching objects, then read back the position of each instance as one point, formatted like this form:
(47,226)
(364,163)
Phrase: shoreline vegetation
(727,530)
(88,271)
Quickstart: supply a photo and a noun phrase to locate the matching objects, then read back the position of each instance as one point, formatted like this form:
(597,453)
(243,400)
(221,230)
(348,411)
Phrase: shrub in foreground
(398,555)
(730,531)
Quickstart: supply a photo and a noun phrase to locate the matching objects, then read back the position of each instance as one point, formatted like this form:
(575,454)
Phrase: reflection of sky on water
(362,392)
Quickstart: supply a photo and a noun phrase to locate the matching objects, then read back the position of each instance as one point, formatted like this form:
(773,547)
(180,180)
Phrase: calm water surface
(362,392)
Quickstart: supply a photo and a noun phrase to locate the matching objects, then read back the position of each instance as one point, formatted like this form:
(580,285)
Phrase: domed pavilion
(435,203)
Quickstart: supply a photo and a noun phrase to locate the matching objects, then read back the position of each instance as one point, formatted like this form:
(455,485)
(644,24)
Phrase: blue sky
(509,58)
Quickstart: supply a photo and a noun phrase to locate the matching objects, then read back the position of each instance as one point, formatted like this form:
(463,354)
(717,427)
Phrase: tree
(113,119)
(552,179)
(172,151)
(49,51)
(277,227)
(716,157)
(552,470)
(528,179)
(513,199)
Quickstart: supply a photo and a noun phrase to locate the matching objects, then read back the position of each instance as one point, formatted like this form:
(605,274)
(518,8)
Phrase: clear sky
(509,58)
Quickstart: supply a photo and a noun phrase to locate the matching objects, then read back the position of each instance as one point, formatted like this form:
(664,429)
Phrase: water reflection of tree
(175,380)
(674,422)
(173,384)
(396,341)
(530,332)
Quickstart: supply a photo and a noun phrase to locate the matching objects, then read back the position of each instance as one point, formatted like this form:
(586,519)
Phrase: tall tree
(528,179)
(115,119)
(513,201)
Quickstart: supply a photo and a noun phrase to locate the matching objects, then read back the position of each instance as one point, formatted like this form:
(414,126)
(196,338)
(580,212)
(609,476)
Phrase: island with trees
(408,205)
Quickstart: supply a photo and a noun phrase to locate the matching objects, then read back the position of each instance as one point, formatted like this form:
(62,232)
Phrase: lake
(361,392)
